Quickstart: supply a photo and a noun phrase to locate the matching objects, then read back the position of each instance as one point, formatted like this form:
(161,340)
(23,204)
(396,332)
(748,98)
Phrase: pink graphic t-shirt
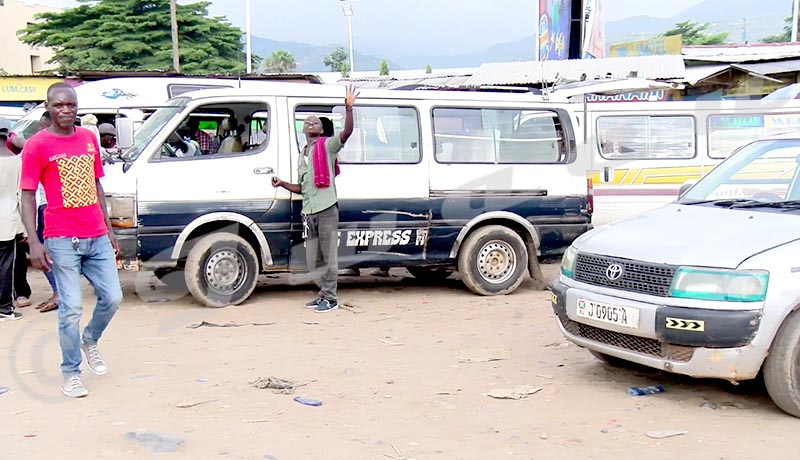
(67,168)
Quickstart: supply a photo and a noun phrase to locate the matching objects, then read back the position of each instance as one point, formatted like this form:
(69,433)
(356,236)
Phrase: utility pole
(795,11)
(744,30)
(173,14)
(347,9)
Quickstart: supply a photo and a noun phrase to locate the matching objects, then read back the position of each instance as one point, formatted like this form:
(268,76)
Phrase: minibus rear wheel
(782,366)
(493,260)
(221,270)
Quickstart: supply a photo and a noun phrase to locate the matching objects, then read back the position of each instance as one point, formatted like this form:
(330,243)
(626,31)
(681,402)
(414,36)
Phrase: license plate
(611,314)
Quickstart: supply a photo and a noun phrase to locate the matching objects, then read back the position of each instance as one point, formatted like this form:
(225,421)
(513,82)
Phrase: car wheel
(782,366)
(221,270)
(493,260)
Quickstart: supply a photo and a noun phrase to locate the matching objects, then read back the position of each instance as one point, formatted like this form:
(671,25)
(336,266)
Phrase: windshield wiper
(787,204)
(723,201)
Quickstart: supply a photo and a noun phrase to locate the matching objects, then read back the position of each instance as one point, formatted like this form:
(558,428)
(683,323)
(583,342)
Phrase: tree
(336,60)
(345,70)
(136,35)
(280,61)
(384,68)
(428,69)
(256,61)
(783,37)
(694,33)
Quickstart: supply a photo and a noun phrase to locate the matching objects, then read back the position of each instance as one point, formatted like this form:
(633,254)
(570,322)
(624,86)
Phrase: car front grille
(641,345)
(642,277)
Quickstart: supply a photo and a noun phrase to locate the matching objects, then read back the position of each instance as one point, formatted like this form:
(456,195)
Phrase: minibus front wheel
(221,270)
(493,260)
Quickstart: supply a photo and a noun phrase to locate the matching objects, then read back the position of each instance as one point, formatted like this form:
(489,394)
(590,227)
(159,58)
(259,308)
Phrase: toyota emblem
(614,272)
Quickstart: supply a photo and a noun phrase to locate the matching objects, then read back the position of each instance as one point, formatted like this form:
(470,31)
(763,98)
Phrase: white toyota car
(707,286)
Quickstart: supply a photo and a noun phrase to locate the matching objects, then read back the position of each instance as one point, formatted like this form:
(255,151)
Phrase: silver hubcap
(497,262)
(225,271)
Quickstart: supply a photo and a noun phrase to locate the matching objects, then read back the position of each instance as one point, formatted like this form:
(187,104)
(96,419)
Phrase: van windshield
(763,172)
(152,126)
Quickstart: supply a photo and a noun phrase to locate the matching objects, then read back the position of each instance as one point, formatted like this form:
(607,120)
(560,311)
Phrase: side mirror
(124,133)
(686,186)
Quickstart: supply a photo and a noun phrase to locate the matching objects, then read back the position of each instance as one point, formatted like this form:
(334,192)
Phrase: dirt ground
(402,373)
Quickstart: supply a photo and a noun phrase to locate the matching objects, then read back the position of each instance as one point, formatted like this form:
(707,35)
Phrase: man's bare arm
(294,188)
(38,254)
(101,198)
(349,100)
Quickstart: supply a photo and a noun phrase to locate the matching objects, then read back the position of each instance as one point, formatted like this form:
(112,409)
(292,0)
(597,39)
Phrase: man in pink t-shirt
(77,239)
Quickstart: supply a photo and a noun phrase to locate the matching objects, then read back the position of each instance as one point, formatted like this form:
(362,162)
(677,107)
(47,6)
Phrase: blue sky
(422,26)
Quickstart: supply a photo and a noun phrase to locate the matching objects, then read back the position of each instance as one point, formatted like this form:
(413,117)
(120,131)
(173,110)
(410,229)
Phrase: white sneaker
(94,359)
(73,387)
(13,316)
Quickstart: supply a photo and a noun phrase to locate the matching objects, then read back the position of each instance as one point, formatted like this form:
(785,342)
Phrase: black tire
(430,274)
(173,278)
(493,260)
(782,366)
(221,270)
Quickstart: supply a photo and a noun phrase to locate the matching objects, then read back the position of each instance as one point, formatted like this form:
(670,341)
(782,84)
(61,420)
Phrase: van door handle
(263,170)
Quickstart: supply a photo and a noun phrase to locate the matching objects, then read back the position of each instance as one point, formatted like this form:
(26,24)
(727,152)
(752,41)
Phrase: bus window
(646,137)
(500,136)
(381,134)
(727,133)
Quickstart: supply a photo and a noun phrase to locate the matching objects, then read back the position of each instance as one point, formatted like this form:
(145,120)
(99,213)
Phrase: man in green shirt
(320,208)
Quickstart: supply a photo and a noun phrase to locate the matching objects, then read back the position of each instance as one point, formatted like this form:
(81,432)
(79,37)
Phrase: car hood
(699,235)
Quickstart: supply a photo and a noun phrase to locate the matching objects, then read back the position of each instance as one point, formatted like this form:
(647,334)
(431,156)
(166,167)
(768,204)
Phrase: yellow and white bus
(643,152)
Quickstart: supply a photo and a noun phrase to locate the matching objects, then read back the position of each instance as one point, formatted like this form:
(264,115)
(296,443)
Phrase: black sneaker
(313,303)
(326,305)
(13,316)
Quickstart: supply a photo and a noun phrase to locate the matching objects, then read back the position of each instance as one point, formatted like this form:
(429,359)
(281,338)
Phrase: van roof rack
(505,89)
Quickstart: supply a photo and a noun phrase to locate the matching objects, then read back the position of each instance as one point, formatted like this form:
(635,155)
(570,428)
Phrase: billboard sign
(654,46)
(595,36)
(554,29)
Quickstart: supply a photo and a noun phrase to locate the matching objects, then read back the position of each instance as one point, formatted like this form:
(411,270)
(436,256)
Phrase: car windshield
(28,125)
(761,174)
(152,126)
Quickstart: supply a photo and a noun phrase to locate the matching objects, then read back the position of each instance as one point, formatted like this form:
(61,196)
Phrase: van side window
(726,133)
(502,136)
(218,131)
(646,137)
(381,134)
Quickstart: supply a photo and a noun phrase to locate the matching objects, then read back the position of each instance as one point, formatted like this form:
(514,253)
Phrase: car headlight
(568,261)
(728,285)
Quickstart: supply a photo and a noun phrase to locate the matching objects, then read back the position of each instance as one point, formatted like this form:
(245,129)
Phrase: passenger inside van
(233,141)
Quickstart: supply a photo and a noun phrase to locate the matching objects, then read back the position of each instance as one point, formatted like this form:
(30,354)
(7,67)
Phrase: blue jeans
(93,258)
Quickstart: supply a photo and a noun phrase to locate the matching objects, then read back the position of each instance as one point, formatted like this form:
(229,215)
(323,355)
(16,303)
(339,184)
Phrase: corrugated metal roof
(742,53)
(536,72)
(772,68)
(698,73)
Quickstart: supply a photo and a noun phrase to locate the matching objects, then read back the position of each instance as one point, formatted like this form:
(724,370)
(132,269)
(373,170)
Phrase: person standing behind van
(317,170)
(9,222)
(65,159)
